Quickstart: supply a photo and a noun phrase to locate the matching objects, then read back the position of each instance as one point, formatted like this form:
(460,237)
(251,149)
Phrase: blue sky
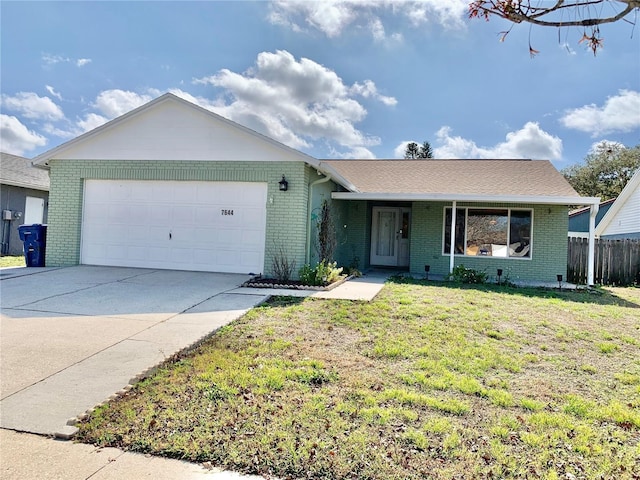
(333,79)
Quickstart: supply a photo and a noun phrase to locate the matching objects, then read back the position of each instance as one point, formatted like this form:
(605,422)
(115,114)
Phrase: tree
(588,14)
(413,150)
(605,171)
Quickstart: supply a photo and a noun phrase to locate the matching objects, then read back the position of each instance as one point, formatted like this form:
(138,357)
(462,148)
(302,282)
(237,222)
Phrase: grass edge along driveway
(429,380)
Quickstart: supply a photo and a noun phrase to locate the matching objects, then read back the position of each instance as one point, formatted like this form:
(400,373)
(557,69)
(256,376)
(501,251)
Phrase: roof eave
(24,185)
(337,177)
(448,197)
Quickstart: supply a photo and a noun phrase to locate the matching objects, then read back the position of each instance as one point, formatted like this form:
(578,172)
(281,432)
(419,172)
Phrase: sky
(334,79)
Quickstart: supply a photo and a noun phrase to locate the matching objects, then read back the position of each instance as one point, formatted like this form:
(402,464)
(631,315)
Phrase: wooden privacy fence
(617,261)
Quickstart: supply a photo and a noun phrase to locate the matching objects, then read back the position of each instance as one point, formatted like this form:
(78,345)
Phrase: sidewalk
(26,456)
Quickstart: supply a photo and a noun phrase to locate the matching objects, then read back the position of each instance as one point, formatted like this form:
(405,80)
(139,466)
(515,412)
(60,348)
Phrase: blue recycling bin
(34,239)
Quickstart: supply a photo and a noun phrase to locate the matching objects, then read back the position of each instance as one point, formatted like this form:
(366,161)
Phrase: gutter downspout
(453,237)
(592,243)
(307,255)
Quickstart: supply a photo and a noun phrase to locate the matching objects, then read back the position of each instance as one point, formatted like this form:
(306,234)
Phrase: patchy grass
(9,261)
(427,381)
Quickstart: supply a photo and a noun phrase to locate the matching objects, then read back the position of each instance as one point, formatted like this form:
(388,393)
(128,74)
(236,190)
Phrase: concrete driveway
(72,337)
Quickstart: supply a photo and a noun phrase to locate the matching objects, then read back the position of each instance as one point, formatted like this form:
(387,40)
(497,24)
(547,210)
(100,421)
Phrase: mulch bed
(259,282)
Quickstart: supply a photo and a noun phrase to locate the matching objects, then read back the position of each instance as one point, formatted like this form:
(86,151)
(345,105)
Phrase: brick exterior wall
(286,211)
(288,214)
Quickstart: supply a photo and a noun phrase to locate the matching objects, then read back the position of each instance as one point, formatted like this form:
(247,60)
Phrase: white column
(592,241)
(452,250)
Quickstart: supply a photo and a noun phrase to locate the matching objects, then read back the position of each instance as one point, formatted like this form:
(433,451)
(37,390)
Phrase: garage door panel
(251,238)
(183,192)
(252,216)
(182,215)
(157,254)
(206,215)
(204,226)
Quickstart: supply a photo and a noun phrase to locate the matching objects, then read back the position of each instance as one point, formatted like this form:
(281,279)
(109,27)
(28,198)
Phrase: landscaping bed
(429,380)
(259,282)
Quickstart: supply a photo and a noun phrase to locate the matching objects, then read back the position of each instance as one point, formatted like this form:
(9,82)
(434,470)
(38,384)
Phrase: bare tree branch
(581,12)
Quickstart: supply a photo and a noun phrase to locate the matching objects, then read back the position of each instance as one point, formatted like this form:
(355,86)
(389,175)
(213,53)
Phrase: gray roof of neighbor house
(18,171)
(473,180)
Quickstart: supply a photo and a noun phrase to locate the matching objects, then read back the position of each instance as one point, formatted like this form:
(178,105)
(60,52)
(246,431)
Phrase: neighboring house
(622,220)
(24,193)
(172,185)
(579,219)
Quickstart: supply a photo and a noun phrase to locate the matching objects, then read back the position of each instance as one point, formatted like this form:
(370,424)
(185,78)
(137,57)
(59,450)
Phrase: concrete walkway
(364,288)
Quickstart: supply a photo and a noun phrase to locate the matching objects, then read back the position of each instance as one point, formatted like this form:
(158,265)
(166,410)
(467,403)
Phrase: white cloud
(528,142)
(620,113)
(50,60)
(91,121)
(16,137)
(295,102)
(398,152)
(333,17)
(52,92)
(31,106)
(368,90)
(360,153)
(113,103)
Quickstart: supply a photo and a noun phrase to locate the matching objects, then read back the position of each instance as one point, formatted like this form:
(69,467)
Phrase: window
(489,232)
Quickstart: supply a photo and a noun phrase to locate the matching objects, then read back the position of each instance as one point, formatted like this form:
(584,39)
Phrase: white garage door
(204,226)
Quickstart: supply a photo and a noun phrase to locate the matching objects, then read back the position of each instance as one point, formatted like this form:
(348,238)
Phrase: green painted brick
(286,211)
(549,254)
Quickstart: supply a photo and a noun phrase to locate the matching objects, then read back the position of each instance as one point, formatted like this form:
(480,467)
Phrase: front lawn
(427,381)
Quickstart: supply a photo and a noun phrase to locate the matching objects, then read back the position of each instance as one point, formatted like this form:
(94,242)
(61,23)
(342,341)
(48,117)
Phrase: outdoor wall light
(283,184)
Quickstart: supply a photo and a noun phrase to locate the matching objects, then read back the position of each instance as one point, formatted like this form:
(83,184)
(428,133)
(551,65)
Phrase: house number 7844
(227,212)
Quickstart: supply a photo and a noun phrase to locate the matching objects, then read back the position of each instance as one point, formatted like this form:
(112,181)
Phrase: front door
(390,236)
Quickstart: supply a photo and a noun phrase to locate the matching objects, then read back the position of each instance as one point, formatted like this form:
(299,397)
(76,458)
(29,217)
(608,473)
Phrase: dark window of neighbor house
(489,232)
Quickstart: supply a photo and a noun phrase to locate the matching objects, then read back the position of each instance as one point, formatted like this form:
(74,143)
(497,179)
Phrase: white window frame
(466,214)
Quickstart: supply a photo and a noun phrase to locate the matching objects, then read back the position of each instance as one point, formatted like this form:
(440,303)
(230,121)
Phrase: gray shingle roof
(18,171)
(465,177)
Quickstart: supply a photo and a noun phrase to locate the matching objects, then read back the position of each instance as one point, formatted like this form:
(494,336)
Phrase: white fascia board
(628,189)
(41,160)
(440,197)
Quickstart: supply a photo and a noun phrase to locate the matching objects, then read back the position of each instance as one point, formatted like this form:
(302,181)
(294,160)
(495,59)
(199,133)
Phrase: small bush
(467,275)
(282,266)
(322,274)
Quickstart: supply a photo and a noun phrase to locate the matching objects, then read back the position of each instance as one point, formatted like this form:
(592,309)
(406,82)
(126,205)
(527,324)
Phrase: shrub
(281,265)
(467,275)
(322,274)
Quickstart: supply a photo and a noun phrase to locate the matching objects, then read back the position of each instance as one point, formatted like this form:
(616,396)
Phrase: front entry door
(390,236)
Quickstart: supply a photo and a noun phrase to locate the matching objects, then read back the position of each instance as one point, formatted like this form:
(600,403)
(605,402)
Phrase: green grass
(8,261)
(427,381)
